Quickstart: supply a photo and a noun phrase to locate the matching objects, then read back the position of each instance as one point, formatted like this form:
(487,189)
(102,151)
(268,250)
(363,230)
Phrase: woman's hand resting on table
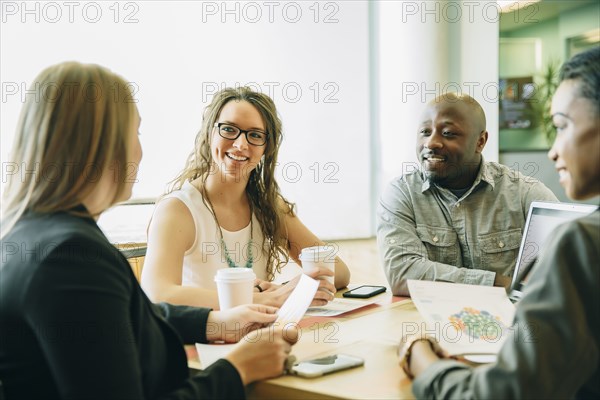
(276,295)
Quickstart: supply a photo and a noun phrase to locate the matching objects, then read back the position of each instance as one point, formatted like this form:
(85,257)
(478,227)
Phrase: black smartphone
(364,291)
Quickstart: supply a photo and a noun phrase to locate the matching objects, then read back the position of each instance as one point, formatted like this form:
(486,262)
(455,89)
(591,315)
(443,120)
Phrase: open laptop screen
(542,219)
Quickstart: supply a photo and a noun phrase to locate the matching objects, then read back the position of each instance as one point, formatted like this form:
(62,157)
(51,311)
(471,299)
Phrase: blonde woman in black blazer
(75,322)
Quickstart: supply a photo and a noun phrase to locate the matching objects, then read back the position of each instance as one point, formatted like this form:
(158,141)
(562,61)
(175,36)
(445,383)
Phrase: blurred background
(349,78)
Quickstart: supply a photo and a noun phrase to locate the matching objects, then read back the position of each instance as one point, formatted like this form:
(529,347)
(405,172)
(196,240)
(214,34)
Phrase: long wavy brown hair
(263,192)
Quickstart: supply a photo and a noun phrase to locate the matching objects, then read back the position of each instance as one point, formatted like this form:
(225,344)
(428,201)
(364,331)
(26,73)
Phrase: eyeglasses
(232,132)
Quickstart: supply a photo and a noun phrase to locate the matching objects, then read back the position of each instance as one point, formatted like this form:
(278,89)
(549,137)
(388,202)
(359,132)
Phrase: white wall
(428,49)
(350,79)
(312,58)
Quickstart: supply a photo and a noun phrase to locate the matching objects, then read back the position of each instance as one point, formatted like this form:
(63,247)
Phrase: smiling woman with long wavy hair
(225,210)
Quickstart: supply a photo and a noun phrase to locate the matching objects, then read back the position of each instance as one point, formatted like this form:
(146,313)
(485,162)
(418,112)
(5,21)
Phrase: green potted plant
(547,83)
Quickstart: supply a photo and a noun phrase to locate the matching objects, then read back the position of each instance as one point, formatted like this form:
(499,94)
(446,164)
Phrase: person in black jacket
(74,321)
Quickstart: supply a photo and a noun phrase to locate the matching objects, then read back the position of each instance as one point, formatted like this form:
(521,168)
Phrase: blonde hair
(262,190)
(72,129)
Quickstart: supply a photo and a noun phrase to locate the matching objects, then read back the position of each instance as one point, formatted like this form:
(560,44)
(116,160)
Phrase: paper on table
(337,307)
(291,311)
(465,319)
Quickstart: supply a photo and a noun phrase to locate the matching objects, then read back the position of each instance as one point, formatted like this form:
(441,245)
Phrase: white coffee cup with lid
(319,256)
(235,287)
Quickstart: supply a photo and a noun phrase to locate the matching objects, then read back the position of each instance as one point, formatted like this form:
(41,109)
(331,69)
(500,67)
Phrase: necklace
(230,262)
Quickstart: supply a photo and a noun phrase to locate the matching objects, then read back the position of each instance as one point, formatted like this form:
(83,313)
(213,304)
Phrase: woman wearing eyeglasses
(225,210)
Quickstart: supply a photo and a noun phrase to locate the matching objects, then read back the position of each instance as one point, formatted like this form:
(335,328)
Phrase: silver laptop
(542,219)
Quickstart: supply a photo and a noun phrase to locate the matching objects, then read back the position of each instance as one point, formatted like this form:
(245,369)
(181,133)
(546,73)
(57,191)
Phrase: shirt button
(435,239)
(392,241)
(457,204)
(501,244)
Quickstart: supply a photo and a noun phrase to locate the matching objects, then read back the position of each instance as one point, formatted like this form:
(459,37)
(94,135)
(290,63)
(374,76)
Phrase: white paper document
(336,307)
(299,300)
(291,311)
(465,319)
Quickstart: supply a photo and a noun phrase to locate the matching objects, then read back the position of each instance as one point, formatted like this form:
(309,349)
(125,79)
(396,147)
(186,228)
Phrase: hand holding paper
(232,324)
(291,312)
(276,295)
(296,305)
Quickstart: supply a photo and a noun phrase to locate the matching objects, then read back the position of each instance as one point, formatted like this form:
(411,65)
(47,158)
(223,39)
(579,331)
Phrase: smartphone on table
(364,291)
(326,365)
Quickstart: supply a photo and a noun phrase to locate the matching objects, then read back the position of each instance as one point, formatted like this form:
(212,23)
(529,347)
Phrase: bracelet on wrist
(406,352)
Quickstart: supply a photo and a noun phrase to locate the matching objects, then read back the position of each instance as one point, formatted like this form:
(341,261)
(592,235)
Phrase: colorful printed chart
(465,319)
(478,324)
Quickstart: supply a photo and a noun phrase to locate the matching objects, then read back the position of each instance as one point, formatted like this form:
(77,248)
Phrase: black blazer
(76,324)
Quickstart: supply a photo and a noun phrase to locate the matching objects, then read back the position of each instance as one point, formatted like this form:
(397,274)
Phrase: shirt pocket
(499,251)
(441,243)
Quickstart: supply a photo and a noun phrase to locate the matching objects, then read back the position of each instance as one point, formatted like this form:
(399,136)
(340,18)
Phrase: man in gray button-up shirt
(458,218)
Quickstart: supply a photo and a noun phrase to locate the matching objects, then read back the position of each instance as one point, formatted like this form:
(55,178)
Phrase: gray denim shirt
(425,232)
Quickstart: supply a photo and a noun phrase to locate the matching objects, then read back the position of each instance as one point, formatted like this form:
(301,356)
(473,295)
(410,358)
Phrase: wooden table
(372,333)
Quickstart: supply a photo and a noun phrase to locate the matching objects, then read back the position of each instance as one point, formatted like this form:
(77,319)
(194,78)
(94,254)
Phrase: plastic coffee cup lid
(316,251)
(234,275)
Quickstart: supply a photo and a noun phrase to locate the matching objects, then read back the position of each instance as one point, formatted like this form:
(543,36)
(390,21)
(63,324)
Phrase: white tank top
(205,257)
